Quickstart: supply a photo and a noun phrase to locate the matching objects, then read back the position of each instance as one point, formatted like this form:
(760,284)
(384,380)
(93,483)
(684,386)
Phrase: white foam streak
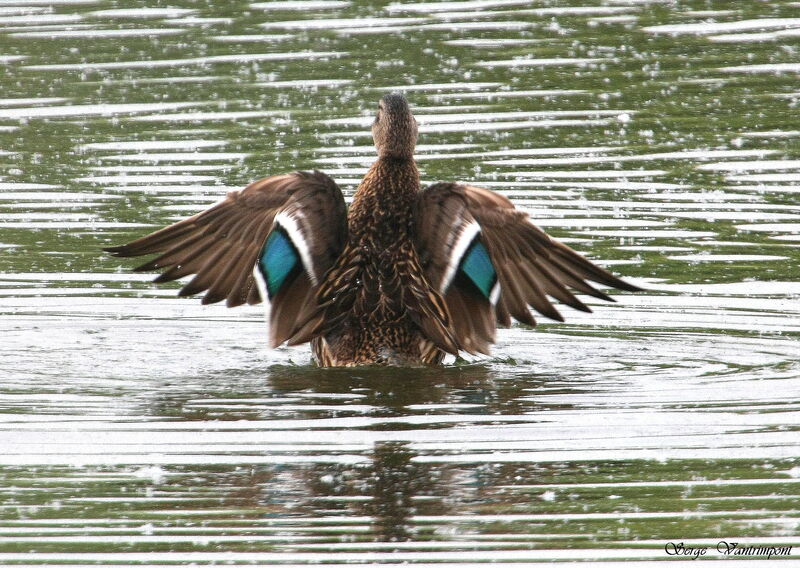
(511,94)
(199,116)
(447,6)
(139,179)
(88,110)
(209,60)
(447,118)
(99,33)
(339,23)
(178,157)
(142,13)
(755,37)
(300,5)
(708,28)
(751,165)
(39,19)
(684,155)
(544,62)
(252,38)
(32,101)
(145,145)
(776,68)
(726,257)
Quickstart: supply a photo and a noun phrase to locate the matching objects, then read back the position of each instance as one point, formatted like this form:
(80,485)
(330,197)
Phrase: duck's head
(395,128)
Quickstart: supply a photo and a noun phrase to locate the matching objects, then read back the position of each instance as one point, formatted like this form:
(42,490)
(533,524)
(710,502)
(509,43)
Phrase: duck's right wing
(283,232)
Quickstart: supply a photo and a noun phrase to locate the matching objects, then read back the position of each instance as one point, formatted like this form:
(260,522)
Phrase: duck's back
(374,287)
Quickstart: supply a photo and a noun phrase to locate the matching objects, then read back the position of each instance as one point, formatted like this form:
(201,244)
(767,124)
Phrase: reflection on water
(395,483)
(659,139)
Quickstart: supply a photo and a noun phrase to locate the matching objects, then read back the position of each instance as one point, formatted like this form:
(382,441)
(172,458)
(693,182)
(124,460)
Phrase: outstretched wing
(490,263)
(280,234)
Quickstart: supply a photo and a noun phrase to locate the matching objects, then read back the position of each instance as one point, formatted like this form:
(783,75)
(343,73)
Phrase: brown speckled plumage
(378,302)
(377,289)
(385,283)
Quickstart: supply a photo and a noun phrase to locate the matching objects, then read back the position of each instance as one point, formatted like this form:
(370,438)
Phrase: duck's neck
(382,207)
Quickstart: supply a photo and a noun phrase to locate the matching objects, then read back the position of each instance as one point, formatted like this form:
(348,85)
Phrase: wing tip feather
(118,250)
(628,287)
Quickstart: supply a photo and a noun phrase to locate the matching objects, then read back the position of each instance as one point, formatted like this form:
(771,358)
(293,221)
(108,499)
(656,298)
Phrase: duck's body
(379,269)
(404,277)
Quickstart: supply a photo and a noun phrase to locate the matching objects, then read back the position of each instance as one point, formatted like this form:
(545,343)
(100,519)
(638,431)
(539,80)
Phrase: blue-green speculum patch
(278,261)
(478,267)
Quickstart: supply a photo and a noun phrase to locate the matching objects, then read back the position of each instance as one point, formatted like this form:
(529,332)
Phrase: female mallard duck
(403,277)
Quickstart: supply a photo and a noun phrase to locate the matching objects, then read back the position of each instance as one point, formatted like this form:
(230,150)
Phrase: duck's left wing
(490,262)
(284,231)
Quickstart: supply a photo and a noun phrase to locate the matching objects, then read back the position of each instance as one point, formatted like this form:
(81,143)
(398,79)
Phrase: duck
(403,276)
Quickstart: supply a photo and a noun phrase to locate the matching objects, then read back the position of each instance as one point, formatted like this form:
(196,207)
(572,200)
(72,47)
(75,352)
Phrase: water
(658,138)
